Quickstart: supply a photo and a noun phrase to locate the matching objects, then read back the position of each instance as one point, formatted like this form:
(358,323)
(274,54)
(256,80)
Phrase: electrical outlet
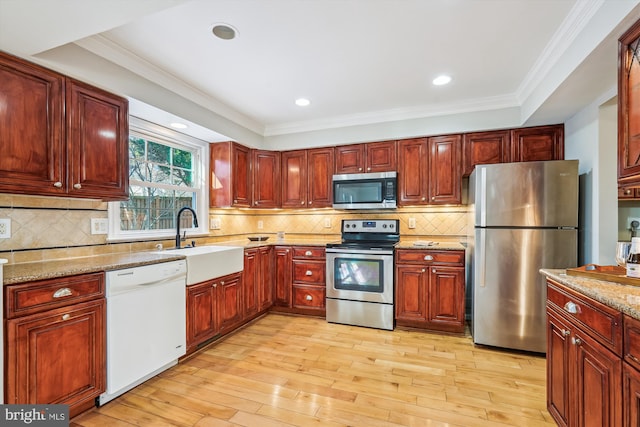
(630,220)
(412,223)
(5,228)
(260,225)
(214,224)
(327,223)
(99,225)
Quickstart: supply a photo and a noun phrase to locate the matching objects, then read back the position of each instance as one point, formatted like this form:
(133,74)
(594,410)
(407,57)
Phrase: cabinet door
(629,107)
(202,322)
(240,176)
(250,282)
(31,129)
(598,380)
(265,278)
(283,261)
(411,293)
(484,148)
(294,179)
(381,156)
(57,356)
(229,302)
(631,393)
(266,179)
(444,169)
(319,178)
(98,143)
(350,158)
(558,362)
(413,175)
(446,298)
(537,143)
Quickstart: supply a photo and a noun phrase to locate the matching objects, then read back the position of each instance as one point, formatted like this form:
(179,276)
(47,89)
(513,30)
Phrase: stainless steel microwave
(365,191)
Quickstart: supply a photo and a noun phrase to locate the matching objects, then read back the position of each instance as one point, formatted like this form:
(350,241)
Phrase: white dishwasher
(146,323)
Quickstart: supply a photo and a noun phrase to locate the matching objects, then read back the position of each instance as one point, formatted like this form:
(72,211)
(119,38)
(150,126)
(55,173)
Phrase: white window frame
(156,133)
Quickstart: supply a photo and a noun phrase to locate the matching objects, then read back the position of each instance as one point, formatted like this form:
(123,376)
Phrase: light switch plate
(412,223)
(99,225)
(214,224)
(5,228)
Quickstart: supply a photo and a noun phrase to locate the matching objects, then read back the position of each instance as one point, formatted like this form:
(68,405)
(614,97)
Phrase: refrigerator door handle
(482,196)
(480,255)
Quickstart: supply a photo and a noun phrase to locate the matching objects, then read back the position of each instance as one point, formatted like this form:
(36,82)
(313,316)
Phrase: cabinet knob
(572,307)
(627,191)
(433,197)
(309,298)
(215,285)
(62,292)
(57,184)
(308,273)
(308,253)
(423,199)
(77,186)
(222,283)
(369,168)
(576,341)
(433,270)
(310,202)
(424,269)
(66,316)
(565,333)
(360,169)
(428,257)
(302,202)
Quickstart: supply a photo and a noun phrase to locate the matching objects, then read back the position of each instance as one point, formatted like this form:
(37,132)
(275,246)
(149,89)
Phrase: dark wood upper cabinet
(60,136)
(230,184)
(364,158)
(266,179)
(629,107)
(537,143)
(484,148)
(413,178)
(98,142)
(444,169)
(306,178)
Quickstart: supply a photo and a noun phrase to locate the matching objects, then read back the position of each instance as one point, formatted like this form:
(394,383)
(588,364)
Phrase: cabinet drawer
(632,341)
(308,252)
(308,296)
(43,295)
(309,272)
(411,256)
(603,323)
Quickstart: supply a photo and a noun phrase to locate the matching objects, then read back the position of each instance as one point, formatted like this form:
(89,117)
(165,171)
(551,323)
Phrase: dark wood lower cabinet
(631,393)
(57,356)
(584,364)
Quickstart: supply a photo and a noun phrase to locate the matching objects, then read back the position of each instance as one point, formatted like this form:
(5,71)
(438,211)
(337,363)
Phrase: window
(165,174)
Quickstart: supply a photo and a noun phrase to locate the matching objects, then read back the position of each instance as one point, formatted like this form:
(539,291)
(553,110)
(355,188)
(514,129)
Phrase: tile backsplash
(51,228)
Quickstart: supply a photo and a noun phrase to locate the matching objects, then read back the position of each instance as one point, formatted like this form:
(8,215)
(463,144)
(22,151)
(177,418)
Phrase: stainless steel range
(360,274)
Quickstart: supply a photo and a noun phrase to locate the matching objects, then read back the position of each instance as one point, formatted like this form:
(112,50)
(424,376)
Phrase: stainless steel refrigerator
(523,217)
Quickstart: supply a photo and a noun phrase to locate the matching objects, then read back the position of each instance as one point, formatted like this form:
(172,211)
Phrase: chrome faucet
(195,223)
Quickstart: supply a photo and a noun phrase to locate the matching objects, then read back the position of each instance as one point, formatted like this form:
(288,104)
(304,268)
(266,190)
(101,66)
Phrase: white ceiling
(360,62)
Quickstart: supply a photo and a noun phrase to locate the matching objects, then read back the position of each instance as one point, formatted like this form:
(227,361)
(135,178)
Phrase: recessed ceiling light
(177,125)
(441,80)
(224,31)
(302,102)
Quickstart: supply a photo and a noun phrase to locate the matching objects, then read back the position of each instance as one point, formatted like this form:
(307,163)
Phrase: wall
(590,137)
(44,228)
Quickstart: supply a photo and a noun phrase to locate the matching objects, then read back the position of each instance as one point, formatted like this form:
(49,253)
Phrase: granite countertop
(625,298)
(435,245)
(30,271)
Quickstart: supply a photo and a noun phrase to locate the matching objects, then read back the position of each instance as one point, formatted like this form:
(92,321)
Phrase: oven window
(358,274)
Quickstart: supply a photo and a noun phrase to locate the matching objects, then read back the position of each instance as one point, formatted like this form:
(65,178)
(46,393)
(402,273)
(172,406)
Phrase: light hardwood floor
(300,371)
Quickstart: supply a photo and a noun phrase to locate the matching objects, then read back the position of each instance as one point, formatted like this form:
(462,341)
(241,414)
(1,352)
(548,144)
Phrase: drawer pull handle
(308,273)
(572,307)
(66,316)
(565,333)
(308,253)
(576,341)
(428,258)
(309,298)
(62,292)
(57,184)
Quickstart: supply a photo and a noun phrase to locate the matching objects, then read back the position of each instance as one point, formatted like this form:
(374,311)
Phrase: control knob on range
(384,225)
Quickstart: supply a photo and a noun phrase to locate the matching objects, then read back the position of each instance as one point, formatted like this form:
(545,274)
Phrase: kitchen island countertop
(625,298)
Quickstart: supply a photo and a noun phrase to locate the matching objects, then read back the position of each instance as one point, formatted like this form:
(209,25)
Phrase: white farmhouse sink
(209,262)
